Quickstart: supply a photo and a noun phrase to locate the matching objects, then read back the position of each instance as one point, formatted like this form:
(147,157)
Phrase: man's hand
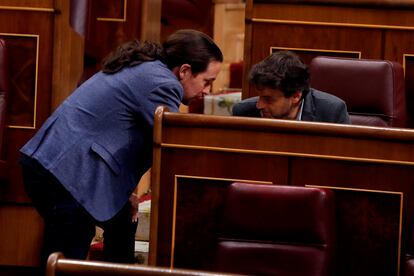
(134,200)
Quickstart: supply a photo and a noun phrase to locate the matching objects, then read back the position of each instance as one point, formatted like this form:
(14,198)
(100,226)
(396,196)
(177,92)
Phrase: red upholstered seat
(409,266)
(276,230)
(236,74)
(373,90)
(408,263)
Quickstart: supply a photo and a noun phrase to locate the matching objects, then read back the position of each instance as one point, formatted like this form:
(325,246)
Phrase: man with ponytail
(84,163)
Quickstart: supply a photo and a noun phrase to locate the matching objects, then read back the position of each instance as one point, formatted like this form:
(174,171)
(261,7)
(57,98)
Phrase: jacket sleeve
(168,94)
(246,108)
(342,114)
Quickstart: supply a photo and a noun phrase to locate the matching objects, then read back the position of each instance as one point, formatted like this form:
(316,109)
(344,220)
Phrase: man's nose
(206,90)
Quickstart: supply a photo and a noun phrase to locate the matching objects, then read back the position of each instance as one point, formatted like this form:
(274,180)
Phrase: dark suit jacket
(318,107)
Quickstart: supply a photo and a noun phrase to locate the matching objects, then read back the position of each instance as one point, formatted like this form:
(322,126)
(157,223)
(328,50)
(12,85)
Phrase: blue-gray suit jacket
(98,143)
(318,107)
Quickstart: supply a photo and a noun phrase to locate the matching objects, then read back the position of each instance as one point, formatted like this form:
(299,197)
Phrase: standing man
(282,81)
(83,164)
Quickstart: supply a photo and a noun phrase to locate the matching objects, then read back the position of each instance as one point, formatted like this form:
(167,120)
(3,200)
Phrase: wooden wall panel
(28,32)
(31,49)
(399,46)
(369,199)
(22,50)
(111,10)
(212,166)
(196,14)
(369,170)
(336,41)
(113,22)
(20,237)
(27,5)
(46,62)
(409,85)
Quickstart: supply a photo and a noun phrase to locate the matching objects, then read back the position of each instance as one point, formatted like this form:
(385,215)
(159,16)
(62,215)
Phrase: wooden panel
(68,51)
(109,10)
(358,15)
(196,14)
(46,63)
(369,207)
(108,27)
(28,28)
(20,234)
(409,83)
(399,47)
(308,54)
(369,169)
(321,40)
(229,36)
(31,71)
(209,165)
(113,22)
(22,49)
(329,39)
(29,5)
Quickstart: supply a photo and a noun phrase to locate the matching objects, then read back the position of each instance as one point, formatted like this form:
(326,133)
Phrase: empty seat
(236,74)
(408,261)
(373,90)
(409,266)
(276,230)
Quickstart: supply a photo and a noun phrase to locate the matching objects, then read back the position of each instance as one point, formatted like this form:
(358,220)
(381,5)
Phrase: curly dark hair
(282,70)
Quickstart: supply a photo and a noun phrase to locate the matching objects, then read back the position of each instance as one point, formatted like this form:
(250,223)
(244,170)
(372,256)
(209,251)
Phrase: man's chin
(188,101)
(266,115)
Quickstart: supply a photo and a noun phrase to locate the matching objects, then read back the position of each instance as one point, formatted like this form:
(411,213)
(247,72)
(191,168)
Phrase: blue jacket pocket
(107,157)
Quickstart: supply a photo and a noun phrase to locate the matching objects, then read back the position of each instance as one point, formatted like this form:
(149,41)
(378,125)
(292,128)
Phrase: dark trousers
(69,228)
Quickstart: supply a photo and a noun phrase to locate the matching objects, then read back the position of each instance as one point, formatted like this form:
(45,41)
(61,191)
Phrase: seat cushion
(256,258)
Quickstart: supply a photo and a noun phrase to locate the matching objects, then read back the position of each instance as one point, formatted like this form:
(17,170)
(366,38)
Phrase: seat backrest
(408,264)
(276,230)
(57,265)
(373,90)
(236,74)
(4,90)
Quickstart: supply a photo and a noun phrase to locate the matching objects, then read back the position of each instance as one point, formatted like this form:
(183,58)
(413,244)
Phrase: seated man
(282,81)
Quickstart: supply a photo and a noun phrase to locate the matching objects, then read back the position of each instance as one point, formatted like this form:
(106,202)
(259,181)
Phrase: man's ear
(184,72)
(296,97)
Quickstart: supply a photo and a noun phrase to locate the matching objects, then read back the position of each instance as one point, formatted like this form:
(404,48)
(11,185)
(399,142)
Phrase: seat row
(264,230)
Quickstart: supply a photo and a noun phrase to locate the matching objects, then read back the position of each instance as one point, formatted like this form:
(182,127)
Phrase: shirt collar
(299,116)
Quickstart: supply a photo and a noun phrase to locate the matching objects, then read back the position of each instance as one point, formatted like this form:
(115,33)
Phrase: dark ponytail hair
(182,47)
(130,54)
